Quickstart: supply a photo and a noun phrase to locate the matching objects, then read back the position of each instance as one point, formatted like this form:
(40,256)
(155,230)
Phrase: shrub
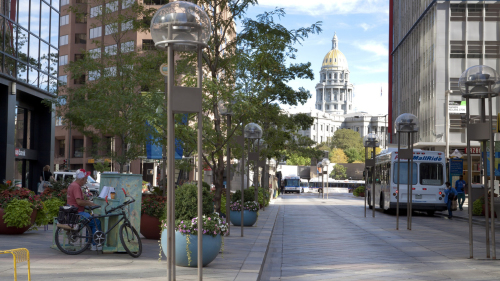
(249,195)
(154,205)
(357,192)
(477,206)
(51,207)
(18,213)
(249,205)
(186,202)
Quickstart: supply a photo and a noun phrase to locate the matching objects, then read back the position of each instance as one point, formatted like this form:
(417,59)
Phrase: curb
(267,247)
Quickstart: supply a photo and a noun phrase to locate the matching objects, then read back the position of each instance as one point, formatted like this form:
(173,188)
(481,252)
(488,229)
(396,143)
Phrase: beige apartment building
(76,35)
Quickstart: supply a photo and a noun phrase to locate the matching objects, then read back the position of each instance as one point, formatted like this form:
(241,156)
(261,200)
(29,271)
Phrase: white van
(92,185)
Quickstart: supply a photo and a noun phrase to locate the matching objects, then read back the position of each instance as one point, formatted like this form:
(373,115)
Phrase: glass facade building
(29,54)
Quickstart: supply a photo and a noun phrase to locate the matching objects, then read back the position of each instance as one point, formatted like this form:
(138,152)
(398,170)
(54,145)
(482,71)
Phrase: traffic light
(64,164)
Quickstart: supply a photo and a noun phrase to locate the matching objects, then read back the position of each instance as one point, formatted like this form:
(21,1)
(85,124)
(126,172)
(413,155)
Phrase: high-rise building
(431,43)
(78,33)
(28,75)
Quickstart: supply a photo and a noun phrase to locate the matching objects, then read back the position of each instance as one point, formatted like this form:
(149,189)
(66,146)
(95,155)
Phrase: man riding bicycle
(75,198)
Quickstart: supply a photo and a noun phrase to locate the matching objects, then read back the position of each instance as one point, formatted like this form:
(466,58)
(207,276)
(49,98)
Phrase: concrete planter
(249,218)
(15,230)
(211,248)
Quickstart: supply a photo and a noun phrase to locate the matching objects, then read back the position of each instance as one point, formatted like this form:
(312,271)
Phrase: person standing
(460,185)
(450,195)
(45,178)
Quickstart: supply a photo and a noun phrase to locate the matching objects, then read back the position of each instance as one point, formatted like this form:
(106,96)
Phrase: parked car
(91,184)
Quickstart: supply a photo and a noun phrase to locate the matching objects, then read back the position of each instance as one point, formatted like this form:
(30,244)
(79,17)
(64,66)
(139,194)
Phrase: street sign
(456,107)
(456,166)
(164,69)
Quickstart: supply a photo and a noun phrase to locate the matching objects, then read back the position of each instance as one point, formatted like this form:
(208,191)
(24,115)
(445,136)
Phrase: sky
(362,28)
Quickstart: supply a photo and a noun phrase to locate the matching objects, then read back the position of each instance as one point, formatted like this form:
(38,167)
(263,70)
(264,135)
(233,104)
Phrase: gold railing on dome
(19,255)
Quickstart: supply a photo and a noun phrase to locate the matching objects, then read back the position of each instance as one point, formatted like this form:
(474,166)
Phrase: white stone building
(334,107)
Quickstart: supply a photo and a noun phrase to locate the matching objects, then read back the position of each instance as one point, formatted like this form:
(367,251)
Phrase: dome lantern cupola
(335,59)
(335,42)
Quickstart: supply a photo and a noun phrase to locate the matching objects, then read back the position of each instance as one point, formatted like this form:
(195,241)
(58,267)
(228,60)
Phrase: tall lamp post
(371,141)
(253,132)
(226,110)
(406,123)
(325,163)
(481,82)
(319,166)
(181,26)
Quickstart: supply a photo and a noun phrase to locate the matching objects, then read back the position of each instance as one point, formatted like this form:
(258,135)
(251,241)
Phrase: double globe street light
(370,141)
(253,132)
(181,26)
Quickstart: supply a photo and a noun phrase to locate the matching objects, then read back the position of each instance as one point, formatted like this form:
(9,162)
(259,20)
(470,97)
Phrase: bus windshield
(304,184)
(431,174)
(403,175)
(290,182)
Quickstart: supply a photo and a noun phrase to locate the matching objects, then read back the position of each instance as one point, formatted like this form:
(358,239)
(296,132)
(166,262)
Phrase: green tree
(296,159)
(354,154)
(120,87)
(338,172)
(236,75)
(345,138)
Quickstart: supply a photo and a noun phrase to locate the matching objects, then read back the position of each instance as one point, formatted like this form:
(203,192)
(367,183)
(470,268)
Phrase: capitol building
(334,107)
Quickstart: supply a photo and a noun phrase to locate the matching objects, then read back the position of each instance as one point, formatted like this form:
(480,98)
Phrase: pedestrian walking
(460,185)
(450,195)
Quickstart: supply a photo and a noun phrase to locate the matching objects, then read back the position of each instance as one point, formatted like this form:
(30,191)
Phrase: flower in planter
(250,206)
(213,225)
(34,201)
(154,205)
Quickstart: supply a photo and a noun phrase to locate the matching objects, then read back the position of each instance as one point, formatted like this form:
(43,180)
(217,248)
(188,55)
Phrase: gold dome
(335,58)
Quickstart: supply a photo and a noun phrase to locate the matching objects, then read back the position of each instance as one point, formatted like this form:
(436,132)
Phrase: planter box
(15,230)
(211,248)
(150,227)
(249,218)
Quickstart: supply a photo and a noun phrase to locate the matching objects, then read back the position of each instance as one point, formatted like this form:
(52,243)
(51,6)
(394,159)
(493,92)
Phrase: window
(112,7)
(475,12)
(321,128)
(79,57)
(80,38)
(457,12)
(148,44)
(314,126)
(62,146)
(127,3)
(327,128)
(327,107)
(403,175)
(127,47)
(59,121)
(321,139)
(80,80)
(110,29)
(78,148)
(64,2)
(64,20)
(95,11)
(110,50)
(94,75)
(335,106)
(475,49)
(63,60)
(81,18)
(127,25)
(63,79)
(63,40)
(95,53)
(314,138)
(110,71)
(332,129)
(431,174)
(95,32)
(330,76)
(343,106)
(492,49)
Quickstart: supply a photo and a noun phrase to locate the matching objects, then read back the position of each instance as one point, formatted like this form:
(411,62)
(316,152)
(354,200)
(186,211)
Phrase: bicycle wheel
(131,240)
(74,242)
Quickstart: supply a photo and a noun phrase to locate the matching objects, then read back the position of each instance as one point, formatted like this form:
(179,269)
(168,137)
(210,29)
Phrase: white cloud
(329,7)
(366,26)
(367,98)
(378,48)
(378,68)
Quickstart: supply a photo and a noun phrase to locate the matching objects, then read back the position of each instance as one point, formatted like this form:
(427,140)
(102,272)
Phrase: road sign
(456,107)
(456,166)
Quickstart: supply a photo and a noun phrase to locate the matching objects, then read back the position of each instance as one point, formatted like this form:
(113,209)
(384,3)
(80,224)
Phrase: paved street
(319,239)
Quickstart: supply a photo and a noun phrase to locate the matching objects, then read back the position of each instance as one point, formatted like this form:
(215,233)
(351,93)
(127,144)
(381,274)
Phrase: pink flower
(209,218)
(215,232)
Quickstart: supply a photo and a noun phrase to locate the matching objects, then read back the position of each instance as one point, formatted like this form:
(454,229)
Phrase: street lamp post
(325,163)
(371,141)
(481,82)
(253,132)
(181,26)
(319,166)
(406,123)
(226,110)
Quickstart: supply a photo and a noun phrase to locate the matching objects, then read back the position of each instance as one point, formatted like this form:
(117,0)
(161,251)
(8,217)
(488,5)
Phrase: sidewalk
(464,216)
(242,258)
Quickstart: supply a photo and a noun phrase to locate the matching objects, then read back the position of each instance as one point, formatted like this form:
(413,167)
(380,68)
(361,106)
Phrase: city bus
(304,185)
(315,184)
(292,184)
(428,181)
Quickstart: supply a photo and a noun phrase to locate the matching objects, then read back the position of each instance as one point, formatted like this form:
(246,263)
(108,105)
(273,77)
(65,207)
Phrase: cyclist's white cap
(80,175)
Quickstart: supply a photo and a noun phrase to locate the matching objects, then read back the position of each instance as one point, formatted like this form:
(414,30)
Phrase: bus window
(431,174)
(403,175)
